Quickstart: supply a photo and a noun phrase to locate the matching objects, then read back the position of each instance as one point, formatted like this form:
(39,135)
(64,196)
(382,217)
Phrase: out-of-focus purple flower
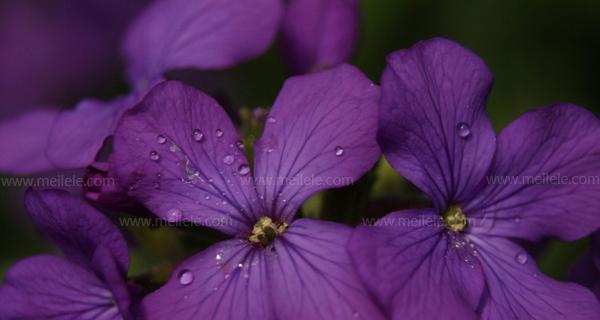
(52,49)
(182,157)
(456,261)
(207,34)
(317,34)
(89,283)
(586,270)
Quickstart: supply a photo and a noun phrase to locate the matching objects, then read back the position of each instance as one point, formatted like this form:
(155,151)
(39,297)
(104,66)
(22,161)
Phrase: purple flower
(535,180)
(586,270)
(317,34)
(182,157)
(207,34)
(89,283)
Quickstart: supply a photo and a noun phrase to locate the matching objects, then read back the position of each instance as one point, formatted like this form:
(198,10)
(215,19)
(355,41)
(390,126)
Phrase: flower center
(455,219)
(265,231)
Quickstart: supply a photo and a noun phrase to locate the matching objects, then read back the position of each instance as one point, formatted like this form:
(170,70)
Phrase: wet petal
(180,155)
(545,179)
(320,134)
(75,226)
(334,21)
(205,34)
(306,274)
(24,141)
(433,126)
(77,135)
(225,281)
(47,287)
(518,290)
(416,269)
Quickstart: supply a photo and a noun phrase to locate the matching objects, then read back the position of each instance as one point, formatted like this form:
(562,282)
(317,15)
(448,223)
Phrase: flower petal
(47,287)
(24,141)
(75,226)
(205,34)
(334,21)
(306,274)
(225,281)
(77,135)
(415,269)
(313,277)
(180,155)
(518,290)
(433,128)
(320,134)
(545,179)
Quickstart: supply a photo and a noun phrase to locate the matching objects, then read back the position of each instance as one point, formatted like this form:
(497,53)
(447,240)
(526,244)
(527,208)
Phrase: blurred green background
(540,51)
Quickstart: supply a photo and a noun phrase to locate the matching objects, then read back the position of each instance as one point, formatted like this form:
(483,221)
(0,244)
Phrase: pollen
(455,219)
(265,231)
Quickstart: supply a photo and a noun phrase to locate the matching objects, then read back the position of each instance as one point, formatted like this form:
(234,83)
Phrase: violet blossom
(586,270)
(88,283)
(458,259)
(182,158)
(167,35)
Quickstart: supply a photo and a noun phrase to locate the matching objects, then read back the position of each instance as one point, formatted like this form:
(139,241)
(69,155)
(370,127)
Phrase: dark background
(540,51)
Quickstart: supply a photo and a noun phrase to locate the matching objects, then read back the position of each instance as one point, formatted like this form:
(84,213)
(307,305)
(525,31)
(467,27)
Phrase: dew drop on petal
(161,139)
(219,133)
(243,169)
(154,156)
(173,148)
(240,145)
(463,130)
(339,151)
(197,135)
(174,215)
(186,277)
(521,258)
(271,120)
(228,159)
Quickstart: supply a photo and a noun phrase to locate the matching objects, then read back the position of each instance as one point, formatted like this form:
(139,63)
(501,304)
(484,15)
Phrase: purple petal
(24,141)
(320,134)
(586,269)
(75,227)
(205,34)
(107,268)
(77,135)
(312,276)
(518,290)
(417,270)
(180,155)
(433,126)
(225,281)
(47,287)
(307,274)
(552,156)
(335,22)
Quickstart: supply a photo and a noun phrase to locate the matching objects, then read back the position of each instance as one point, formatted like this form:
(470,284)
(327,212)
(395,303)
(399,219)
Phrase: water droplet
(339,151)
(517,220)
(206,197)
(173,148)
(197,135)
(243,169)
(186,277)
(228,159)
(463,130)
(227,275)
(174,215)
(240,265)
(161,139)
(271,120)
(240,145)
(219,257)
(521,258)
(154,156)
(219,133)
